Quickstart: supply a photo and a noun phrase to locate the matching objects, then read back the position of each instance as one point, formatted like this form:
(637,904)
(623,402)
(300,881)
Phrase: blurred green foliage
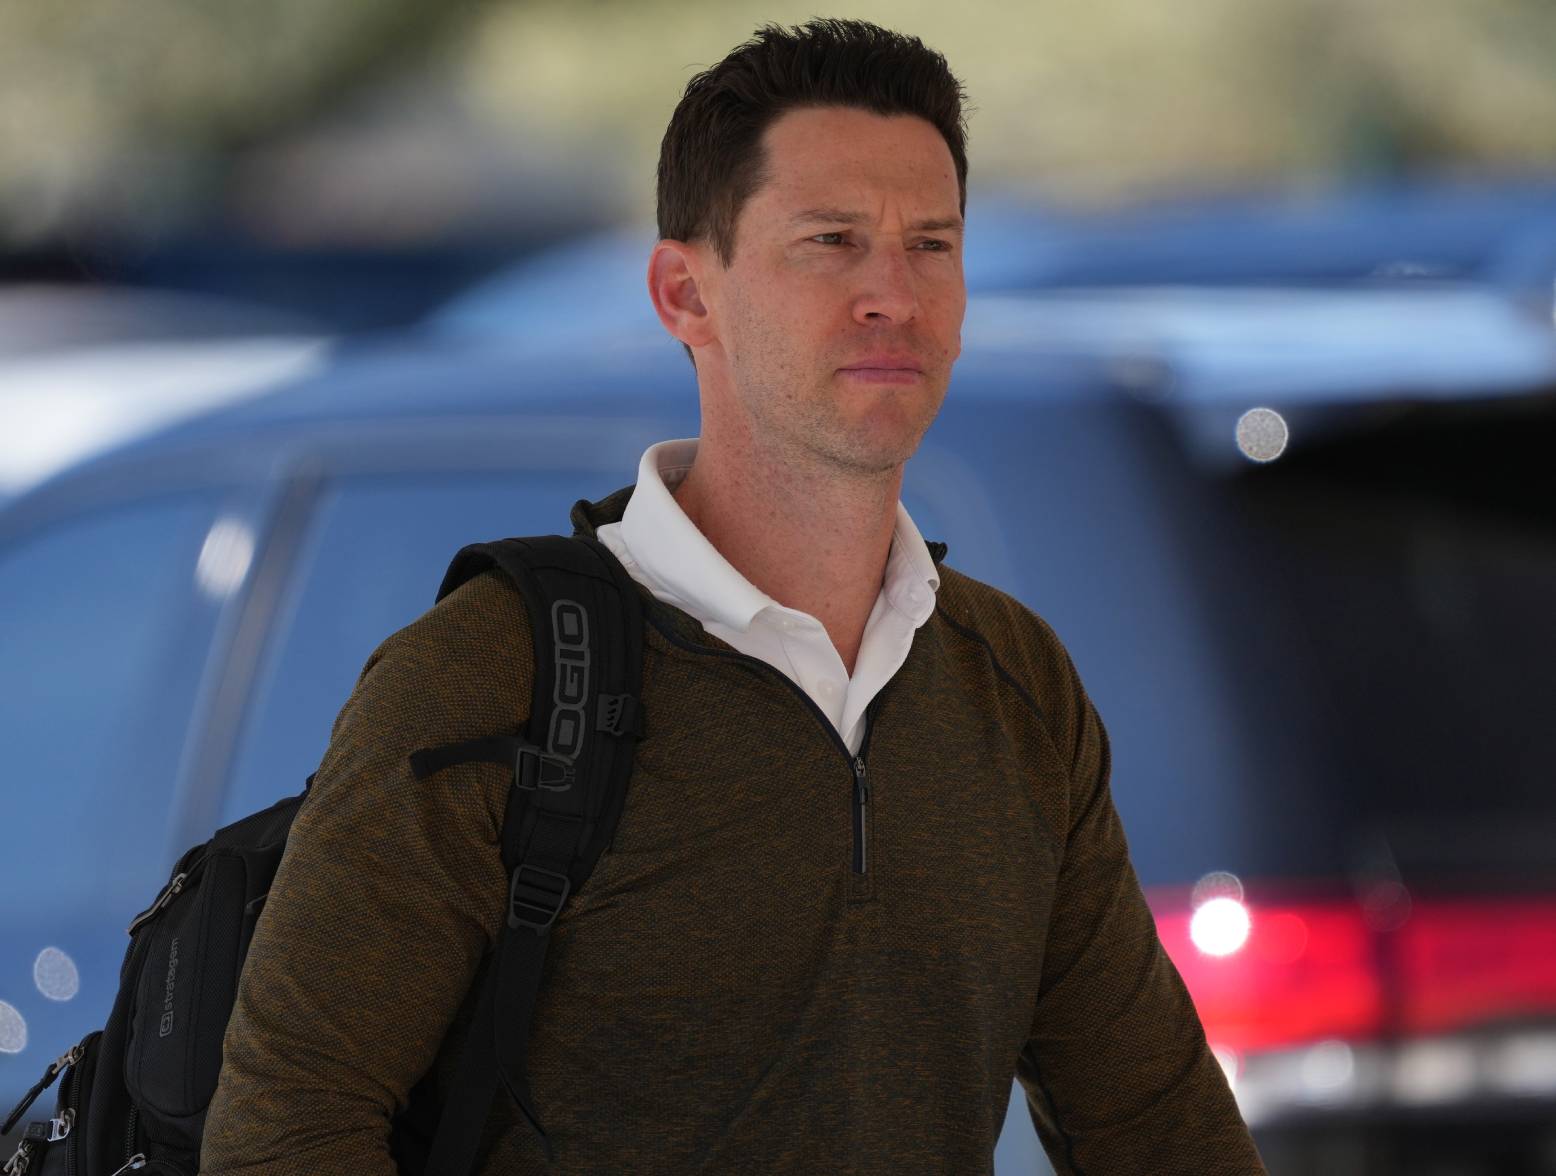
(1100,101)
(96,94)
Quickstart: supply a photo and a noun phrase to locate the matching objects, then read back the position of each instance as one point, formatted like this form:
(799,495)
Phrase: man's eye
(934,246)
(828,238)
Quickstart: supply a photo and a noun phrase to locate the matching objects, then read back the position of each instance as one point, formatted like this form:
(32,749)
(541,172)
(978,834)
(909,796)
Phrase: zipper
(862,792)
(69,1093)
(856,763)
(861,807)
(131,1126)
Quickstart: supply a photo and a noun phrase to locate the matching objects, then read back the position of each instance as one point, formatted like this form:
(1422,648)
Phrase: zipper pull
(60,1127)
(169,892)
(860,783)
(21,1159)
(138,1160)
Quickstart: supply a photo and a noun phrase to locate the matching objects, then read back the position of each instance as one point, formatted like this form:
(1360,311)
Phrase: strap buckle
(534,891)
(534,768)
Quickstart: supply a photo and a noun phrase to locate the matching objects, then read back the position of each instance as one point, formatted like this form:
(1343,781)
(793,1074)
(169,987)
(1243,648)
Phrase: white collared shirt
(664,551)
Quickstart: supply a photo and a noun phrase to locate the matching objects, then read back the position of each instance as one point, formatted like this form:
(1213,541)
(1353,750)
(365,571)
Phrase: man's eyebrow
(842,216)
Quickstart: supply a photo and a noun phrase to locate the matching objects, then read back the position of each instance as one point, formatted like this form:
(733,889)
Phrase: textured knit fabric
(664,551)
(761,976)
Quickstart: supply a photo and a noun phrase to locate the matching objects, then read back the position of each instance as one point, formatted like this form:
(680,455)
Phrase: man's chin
(872,452)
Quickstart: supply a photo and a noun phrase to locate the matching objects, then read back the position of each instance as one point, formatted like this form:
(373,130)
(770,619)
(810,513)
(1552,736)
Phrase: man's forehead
(840,164)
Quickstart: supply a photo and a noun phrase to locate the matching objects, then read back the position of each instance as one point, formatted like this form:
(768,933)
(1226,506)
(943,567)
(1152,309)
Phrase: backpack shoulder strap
(571,768)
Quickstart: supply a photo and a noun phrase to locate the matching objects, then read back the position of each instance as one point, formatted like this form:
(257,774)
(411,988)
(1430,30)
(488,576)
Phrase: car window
(1418,570)
(372,564)
(107,623)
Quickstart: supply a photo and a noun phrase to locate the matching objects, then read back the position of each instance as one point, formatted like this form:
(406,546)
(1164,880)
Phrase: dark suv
(1326,674)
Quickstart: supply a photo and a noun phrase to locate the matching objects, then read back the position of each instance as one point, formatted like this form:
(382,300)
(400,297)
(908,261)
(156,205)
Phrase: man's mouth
(883,369)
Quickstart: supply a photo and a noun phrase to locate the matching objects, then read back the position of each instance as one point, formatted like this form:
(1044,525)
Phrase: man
(869,869)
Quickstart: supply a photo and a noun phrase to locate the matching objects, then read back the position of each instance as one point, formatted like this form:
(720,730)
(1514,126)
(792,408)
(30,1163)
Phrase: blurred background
(296,299)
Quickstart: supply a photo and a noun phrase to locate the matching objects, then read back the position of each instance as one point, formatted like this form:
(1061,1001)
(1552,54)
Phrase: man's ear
(675,274)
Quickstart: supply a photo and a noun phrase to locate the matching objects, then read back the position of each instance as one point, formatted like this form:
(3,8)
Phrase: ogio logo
(570,635)
(167,991)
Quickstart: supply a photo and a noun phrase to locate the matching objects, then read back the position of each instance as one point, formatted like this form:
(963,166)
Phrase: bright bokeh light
(1220,926)
(225,558)
(13,1029)
(1262,434)
(55,974)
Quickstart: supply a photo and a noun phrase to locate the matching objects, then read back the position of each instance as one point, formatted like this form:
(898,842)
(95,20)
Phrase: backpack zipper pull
(138,1160)
(169,893)
(69,1058)
(21,1159)
(60,1127)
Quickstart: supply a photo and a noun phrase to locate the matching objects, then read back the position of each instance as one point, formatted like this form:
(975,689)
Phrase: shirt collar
(678,559)
(911,576)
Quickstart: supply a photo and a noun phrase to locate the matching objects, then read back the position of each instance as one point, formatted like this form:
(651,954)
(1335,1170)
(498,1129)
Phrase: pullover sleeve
(386,899)
(1117,1071)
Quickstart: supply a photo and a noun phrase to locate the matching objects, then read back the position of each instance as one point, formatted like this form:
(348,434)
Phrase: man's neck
(812,541)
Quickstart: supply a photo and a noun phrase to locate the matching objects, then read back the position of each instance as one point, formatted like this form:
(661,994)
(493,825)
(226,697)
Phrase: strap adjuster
(536,892)
(534,768)
(620,714)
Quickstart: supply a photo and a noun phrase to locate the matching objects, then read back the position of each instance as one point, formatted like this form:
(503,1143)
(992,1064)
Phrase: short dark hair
(710,161)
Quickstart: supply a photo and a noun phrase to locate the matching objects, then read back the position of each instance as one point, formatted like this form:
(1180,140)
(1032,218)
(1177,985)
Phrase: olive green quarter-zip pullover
(791,960)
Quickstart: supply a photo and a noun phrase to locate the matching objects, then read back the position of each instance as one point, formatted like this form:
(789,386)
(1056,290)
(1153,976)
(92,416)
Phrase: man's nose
(888,287)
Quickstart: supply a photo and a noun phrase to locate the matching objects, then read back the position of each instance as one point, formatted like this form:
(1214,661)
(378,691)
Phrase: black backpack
(134,1094)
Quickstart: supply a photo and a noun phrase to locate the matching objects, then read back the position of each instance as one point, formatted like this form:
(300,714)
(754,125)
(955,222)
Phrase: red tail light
(1461,963)
(1317,970)
(1304,974)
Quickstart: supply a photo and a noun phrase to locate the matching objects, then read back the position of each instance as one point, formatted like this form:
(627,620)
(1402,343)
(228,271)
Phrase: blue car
(1304,570)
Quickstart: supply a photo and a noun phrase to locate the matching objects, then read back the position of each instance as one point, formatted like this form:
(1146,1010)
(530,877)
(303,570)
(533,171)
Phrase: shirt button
(828,688)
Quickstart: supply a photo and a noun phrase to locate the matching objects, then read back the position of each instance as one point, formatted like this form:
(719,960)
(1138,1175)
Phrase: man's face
(840,314)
